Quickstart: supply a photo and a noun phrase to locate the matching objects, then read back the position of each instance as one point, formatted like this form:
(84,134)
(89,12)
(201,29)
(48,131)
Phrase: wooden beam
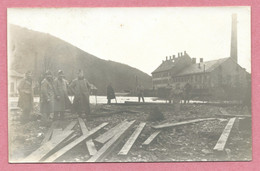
(47,148)
(68,147)
(71,125)
(89,143)
(56,132)
(130,142)
(224,136)
(225,113)
(112,143)
(110,133)
(49,133)
(144,103)
(167,125)
(151,138)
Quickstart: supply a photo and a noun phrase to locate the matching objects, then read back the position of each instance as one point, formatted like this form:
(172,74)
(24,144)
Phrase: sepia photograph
(129,84)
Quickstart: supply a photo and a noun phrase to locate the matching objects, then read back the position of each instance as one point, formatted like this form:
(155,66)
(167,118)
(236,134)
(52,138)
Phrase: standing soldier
(110,93)
(81,90)
(61,100)
(47,95)
(25,101)
(140,92)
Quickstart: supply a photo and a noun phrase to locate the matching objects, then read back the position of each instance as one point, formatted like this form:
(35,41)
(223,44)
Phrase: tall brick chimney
(233,50)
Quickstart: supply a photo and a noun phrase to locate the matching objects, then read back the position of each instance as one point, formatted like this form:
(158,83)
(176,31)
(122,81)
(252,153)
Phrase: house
(13,82)
(221,77)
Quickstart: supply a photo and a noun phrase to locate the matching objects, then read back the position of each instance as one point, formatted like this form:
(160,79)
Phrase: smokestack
(201,59)
(233,50)
(166,58)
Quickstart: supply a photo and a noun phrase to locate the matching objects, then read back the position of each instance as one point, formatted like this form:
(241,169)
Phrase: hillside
(36,51)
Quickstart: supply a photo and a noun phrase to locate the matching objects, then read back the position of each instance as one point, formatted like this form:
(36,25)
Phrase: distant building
(13,82)
(221,75)
(201,75)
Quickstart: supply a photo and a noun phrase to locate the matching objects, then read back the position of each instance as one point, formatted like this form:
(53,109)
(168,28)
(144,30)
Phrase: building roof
(13,73)
(209,66)
(165,66)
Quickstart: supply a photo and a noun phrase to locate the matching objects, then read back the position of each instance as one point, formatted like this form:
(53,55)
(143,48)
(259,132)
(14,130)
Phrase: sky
(143,37)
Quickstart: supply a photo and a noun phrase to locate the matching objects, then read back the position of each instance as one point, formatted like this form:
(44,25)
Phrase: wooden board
(49,133)
(130,142)
(56,132)
(112,143)
(47,148)
(167,125)
(110,133)
(151,138)
(225,113)
(68,147)
(145,103)
(224,136)
(71,125)
(89,143)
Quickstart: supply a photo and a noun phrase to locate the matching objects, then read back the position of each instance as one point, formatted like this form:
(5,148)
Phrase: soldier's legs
(108,101)
(143,98)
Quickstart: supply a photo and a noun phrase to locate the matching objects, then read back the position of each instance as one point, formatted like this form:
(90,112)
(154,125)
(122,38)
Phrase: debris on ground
(186,142)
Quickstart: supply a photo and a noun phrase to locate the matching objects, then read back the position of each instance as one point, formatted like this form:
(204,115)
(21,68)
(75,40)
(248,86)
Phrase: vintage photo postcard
(129,84)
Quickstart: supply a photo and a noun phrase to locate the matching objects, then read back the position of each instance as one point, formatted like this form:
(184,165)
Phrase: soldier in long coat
(110,93)
(140,92)
(81,90)
(25,101)
(47,95)
(61,100)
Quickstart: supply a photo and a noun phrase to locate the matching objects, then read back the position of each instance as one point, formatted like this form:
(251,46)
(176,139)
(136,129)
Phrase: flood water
(98,99)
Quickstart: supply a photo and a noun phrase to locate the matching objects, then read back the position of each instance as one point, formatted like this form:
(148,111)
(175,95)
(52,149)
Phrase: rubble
(193,142)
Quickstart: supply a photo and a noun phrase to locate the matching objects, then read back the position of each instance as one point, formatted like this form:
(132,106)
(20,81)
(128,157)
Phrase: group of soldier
(54,96)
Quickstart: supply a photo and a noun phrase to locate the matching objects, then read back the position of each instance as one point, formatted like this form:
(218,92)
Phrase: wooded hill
(36,51)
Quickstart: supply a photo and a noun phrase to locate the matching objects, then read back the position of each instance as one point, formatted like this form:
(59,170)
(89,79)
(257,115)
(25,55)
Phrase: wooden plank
(225,113)
(224,136)
(130,142)
(56,132)
(48,134)
(144,103)
(110,133)
(112,143)
(151,138)
(89,143)
(68,147)
(70,139)
(47,148)
(71,125)
(167,125)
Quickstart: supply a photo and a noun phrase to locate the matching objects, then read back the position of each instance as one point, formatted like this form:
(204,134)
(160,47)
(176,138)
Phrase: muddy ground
(192,142)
